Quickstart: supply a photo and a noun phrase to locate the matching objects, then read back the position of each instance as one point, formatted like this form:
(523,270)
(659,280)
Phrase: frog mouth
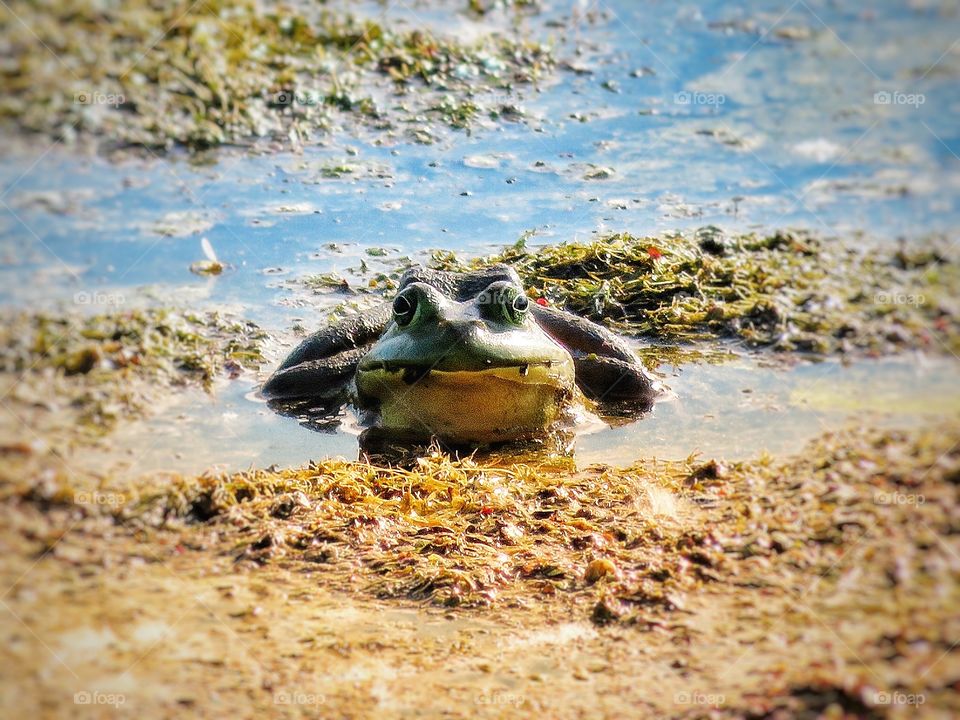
(534,372)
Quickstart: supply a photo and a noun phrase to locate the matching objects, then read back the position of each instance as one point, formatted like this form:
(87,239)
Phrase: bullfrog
(465,358)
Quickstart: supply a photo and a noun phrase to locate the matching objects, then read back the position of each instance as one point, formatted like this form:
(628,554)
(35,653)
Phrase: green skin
(464,357)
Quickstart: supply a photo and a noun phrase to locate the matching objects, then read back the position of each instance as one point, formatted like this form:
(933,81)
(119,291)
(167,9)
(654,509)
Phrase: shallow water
(825,116)
(734,411)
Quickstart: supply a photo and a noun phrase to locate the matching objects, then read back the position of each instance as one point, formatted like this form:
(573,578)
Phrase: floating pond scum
(760,203)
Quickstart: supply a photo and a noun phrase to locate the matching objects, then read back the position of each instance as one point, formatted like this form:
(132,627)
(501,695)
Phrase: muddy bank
(826,583)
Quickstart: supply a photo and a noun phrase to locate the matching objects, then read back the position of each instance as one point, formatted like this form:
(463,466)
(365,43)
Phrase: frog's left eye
(519,307)
(404,308)
(504,302)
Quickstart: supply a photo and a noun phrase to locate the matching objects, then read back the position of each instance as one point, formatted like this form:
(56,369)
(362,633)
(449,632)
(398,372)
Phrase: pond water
(825,116)
(732,411)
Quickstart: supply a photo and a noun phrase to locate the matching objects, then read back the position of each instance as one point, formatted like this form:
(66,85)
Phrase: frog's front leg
(617,384)
(322,378)
(607,369)
(323,364)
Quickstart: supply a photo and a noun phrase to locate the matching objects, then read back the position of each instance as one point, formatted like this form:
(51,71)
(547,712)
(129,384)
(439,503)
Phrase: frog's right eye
(405,308)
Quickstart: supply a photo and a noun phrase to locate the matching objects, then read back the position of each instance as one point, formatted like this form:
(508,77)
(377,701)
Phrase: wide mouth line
(394,366)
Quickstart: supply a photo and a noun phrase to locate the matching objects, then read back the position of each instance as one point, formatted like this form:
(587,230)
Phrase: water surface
(826,116)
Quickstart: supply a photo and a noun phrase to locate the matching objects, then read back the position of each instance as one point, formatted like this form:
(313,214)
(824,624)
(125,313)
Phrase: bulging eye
(517,306)
(404,308)
(521,303)
(504,302)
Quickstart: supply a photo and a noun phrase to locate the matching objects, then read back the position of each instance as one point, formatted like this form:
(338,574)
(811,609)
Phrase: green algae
(699,297)
(111,366)
(787,291)
(228,71)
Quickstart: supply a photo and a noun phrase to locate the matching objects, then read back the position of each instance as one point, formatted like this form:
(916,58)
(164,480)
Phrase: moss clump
(105,367)
(221,71)
(788,291)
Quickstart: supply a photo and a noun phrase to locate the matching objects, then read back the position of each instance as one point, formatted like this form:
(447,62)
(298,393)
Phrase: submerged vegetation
(788,291)
(108,366)
(227,71)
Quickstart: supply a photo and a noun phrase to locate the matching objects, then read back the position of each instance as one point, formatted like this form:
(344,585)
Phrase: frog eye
(504,302)
(404,308)
(518,308)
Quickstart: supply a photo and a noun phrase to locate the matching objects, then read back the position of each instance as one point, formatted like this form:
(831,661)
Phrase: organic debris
(787,291)
(625,546)
(788,588)
(457,533)
(101,368)
(228,71)
(211,264)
